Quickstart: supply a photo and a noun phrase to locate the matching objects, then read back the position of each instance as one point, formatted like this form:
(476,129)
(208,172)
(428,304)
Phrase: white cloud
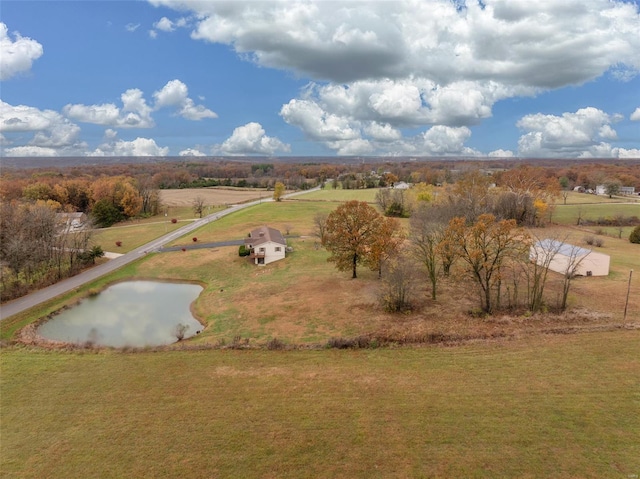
(153,34)
(164,24)
(624,153)
(578,134)
(422,63)
(251,139)
(16,56)
(51,131)
(382,132)
(30,151)
(353,147)
(110,134)
(132,27)
(542,45)
(135,113)
(635,116)
(191,152)
(137,147)
(317,123)
(175,94)
(501,154)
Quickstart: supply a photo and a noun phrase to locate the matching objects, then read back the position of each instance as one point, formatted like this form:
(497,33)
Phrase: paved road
(29,301)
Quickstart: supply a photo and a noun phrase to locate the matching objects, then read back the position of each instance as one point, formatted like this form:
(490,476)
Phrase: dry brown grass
(212,196)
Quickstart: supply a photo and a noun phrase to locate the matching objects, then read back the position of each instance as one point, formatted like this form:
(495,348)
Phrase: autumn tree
(121,191)
(278,191)
(351,233)
(486,246)
(386,243)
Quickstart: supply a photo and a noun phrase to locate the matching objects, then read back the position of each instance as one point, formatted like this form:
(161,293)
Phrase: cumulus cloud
(51,131)
(132,27)
(500,153)
(135,113)
(191,152)
(379,67)
(317,123)
(579,134)
(251,139)
(542,45)
(16,56)
(137,147)
(30,151)
(176,94)
(635,116)
(164,24)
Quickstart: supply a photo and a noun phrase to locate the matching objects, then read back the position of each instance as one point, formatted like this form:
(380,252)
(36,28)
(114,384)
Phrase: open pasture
(340,195)
(569,214)
(550,406)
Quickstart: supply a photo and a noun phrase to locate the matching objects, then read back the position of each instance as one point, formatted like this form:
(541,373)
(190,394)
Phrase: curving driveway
(29,301)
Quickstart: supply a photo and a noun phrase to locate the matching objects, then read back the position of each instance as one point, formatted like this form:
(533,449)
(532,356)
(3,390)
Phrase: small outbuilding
(266,245)
(568,257)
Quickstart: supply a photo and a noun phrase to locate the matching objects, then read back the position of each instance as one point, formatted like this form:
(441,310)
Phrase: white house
(266,245)
(601,190)
(623,190)
(401,185)
(570,258)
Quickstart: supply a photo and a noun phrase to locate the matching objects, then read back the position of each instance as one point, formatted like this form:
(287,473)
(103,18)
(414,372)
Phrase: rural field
(214,196)
(450,395)
(550,406)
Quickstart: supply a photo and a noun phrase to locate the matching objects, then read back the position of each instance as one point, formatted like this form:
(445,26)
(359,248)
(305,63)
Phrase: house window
(278,248)
(261,250)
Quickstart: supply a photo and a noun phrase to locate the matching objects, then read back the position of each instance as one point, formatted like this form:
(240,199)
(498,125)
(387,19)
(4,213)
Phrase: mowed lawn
(551,406)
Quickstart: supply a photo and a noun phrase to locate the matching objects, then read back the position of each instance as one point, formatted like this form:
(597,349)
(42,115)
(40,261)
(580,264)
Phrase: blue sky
(414,78)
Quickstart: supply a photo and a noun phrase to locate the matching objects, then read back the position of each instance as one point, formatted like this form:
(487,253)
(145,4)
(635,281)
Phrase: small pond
(132,313)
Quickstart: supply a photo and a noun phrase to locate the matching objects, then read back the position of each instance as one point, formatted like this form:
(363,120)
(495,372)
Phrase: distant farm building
(570,258)
(266,245)
(622,190)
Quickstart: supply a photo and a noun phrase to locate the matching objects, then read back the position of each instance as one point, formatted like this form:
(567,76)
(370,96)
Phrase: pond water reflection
(132,313)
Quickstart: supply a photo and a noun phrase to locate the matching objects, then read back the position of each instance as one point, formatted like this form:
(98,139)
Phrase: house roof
(562,248)
(264,234)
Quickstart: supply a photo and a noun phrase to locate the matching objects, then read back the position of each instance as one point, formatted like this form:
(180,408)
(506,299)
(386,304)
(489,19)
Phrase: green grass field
(568,215)
(329,194)
(132,236)
(562,406)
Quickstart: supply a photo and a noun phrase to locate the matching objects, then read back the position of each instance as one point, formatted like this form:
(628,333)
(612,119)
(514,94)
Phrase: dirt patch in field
(211,196)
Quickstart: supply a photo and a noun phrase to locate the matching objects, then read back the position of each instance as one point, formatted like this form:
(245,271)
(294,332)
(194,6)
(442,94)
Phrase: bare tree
(198,205)
(575,256)
(426,234)
(320,224)
(541,254)
(398,285)
(180,330)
